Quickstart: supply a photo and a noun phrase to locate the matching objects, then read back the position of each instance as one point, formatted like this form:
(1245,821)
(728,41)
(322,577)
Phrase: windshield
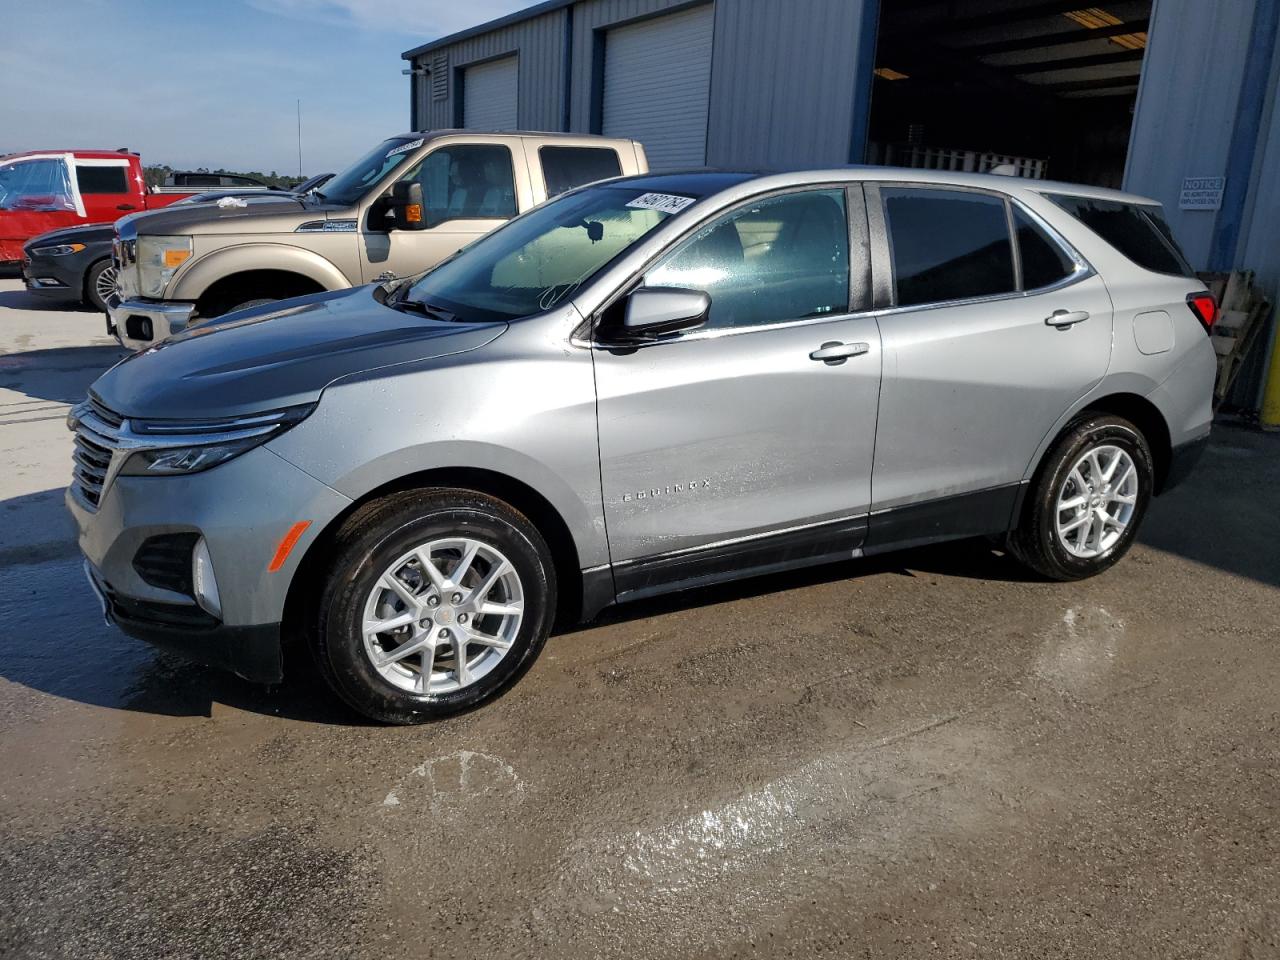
(38,184)
(352,183)
(542,257)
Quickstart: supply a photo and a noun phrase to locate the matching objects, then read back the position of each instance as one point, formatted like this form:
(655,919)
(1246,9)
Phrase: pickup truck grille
(124,257)
(97,436)
(125,252)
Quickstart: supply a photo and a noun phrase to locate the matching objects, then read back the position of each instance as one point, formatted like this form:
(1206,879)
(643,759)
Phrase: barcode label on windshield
(664,202)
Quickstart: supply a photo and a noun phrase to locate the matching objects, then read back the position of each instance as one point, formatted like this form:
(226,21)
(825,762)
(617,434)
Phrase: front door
(976,371)
(468,189)
(742,444)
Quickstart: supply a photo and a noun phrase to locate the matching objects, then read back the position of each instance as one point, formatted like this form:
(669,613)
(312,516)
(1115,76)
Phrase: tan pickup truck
(406,205)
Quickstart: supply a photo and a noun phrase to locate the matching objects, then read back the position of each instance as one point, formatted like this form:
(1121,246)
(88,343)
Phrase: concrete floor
(928,755)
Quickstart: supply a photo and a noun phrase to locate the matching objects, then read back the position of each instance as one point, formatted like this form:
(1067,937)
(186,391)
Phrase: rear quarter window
(1137,230)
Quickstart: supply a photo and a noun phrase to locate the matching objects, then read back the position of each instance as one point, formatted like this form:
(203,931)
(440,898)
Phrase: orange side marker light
(287,544)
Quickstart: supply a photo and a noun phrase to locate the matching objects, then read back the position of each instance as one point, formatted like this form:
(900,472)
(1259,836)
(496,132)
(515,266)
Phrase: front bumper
(139,323)
(252,652)
(45,277)
(242,509)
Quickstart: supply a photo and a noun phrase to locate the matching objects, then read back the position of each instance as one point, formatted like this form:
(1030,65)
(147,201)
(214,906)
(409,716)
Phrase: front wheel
(1087,501)
(435,601)
(99,284)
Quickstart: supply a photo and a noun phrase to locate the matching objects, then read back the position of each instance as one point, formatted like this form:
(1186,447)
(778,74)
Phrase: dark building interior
(1052,82)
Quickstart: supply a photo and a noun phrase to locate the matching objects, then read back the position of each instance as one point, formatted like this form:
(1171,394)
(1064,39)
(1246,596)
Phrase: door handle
(833,352)
(1066,318)
(125,206)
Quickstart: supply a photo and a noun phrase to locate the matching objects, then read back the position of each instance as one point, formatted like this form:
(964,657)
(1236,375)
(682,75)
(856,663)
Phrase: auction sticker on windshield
(664,202)
(405,147)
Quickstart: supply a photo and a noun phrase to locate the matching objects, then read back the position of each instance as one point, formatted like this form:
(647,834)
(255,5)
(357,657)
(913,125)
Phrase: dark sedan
(74,264)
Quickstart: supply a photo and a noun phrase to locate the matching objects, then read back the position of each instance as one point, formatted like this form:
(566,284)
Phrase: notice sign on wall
(1201,193)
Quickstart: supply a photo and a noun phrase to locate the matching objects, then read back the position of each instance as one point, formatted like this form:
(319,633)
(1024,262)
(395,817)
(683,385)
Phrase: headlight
(58,250)
(158,260)
(168,447)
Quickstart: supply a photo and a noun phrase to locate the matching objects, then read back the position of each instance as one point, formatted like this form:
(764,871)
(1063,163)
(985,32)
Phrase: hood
(280,214)
(93,233)
(277,356)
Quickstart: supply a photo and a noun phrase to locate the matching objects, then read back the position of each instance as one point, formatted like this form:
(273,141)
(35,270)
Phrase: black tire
(91,282)
(369,541)
(1035,541)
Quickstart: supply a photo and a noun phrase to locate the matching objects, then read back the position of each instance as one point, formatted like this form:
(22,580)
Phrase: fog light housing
(203,580)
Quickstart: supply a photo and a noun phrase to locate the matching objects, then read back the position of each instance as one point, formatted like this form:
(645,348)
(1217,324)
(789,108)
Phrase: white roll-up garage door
(489,95)
(657,80)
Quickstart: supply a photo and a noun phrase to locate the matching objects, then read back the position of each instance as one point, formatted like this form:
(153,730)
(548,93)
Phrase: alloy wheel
(105,285)
(443,615)
(1096,501)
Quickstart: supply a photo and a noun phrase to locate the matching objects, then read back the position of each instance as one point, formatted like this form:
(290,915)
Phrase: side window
(947,245)
(785,258)
(564,168)
(467,181)
(1043,261)
(102,179)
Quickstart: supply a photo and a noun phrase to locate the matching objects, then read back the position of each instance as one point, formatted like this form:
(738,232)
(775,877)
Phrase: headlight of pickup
(169,447)
(158,260)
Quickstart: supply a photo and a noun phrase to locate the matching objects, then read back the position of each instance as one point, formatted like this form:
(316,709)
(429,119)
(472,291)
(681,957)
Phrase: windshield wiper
(405,305)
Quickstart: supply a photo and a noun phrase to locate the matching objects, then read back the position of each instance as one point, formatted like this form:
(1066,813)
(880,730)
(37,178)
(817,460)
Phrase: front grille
(164,561)
(97,436)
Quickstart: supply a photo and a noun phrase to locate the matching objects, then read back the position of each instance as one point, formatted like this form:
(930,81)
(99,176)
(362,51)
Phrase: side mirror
(654,311)
(407,210)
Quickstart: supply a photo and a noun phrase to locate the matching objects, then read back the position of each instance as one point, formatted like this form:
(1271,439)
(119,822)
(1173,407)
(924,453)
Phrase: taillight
(1205,308)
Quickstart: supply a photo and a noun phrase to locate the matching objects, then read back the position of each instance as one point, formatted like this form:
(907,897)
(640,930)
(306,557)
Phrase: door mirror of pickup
(407,209)
(654,311)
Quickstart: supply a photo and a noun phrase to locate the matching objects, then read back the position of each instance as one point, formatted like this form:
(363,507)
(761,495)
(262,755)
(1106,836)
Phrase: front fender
(205,271)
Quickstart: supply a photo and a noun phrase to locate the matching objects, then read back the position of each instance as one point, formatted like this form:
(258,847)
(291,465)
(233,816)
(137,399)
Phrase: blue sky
(213,83)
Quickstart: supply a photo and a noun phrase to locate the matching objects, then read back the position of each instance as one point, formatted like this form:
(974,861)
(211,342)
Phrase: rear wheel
(435,601)
(1088,499)
(99,284)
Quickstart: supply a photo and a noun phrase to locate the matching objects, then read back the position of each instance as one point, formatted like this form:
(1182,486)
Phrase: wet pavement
(925,755)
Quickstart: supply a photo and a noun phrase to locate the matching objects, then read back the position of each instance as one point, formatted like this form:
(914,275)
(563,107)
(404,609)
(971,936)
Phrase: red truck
(50,189)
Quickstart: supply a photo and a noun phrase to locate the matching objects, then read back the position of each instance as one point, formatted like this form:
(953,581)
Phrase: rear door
(993,327)
(731,447)
(562,167)
(105,189)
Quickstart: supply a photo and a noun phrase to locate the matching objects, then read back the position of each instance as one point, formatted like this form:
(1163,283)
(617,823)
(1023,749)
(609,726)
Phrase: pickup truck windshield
(354,182)
(539,259)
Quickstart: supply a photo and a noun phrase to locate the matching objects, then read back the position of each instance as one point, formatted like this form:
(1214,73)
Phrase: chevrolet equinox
(644,385)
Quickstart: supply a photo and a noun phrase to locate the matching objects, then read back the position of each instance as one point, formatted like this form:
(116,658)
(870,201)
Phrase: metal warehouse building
(1175,99)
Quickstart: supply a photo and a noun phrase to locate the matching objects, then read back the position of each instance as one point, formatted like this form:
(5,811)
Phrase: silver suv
(641,386)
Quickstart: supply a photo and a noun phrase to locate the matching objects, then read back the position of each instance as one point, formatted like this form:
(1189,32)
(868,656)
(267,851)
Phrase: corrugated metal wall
(784,74)
(1187,133)
(783,82)
(1183,123)
(1260,237)
(540,44)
